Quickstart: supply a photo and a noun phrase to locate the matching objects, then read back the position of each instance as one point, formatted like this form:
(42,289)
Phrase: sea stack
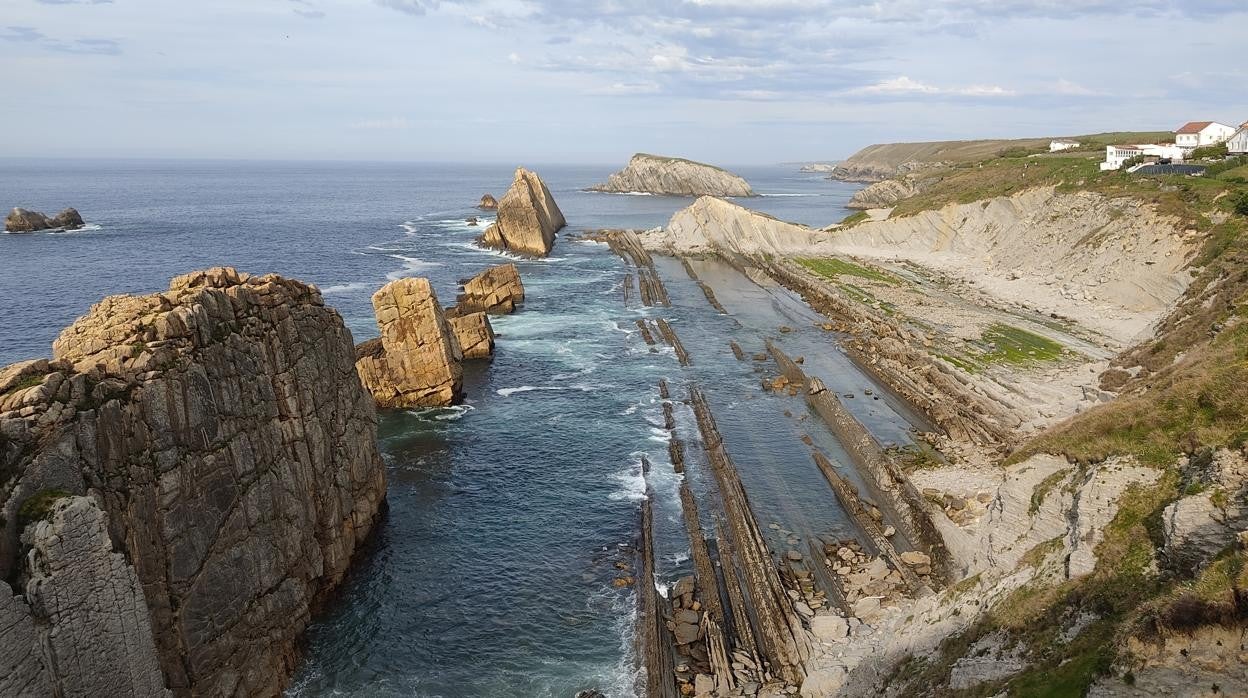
(22,221)
(416,361)
(528,218)
(497,291)
(474,335)
(656,174)
(488,203)
(186,481)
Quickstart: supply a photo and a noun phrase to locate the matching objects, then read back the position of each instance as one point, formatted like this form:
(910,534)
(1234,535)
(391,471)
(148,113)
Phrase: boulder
(474,335)
(528,218)
(656,174)
(915,558)
(829,628)
(488,203)
(496,290)
(21,220)
(416,362)
(186,482)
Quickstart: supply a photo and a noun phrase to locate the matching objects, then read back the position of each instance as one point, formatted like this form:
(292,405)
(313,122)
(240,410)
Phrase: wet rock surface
(186,482)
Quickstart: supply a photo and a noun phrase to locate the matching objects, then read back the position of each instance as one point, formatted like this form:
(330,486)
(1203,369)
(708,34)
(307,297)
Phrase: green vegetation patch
(27,382)
(855,218)
(833,268)
(38,506)
(1014,345)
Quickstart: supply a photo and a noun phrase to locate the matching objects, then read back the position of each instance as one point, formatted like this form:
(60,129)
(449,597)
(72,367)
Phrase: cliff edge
(181,487)
(655,174)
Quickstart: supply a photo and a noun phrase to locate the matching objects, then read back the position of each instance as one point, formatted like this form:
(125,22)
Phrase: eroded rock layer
(655,174)
(474,335)
(182,486)
(416,361)
(496,290)
(528,218)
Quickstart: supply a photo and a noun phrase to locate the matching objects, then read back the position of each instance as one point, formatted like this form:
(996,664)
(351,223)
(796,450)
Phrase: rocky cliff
(22,221)
(711,224)
(885,193)
(416,361)
(182,487)
(528,218)
(655,174)
(882,161)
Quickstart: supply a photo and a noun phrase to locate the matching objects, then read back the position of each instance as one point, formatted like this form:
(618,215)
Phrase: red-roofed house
(1197,134)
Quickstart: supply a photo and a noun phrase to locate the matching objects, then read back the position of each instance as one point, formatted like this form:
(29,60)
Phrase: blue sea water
(492,574)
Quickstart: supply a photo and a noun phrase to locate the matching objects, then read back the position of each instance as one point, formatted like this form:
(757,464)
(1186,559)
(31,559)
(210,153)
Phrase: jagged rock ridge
(528,218)
(655,174)
(182,486)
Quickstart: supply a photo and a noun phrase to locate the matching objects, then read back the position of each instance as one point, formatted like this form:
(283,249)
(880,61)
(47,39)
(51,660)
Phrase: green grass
(855,218)
(23,384)
(833,268)
(1014,345)
(38,506)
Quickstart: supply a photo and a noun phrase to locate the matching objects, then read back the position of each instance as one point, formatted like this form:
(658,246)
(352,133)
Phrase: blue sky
(728,81)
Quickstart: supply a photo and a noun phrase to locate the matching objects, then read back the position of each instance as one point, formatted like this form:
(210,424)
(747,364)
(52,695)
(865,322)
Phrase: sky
(581,81)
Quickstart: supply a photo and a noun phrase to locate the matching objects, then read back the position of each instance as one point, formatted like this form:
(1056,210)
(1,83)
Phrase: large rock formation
(496,291)
(528,218)
(488,203)
(22,221)
(416,361)
(886,193)
(711,225)
(180,488)
(474,335)
(655,174)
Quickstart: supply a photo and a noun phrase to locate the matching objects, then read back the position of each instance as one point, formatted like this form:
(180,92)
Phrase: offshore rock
(416,361)
(474,335)
(22,221)
(488,203)
(185,483)
(528,218)
(496,291)
(655,174)
(715,225)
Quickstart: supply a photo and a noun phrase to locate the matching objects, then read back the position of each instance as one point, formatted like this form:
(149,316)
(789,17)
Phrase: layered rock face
(886,193)
(474,335)
(22,221)
(496,291)
(488,203)
(182,486)
(528,218)
(712,224)
(416,361)
(655,174)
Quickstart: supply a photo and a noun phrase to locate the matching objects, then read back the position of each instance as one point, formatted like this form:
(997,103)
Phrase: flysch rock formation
(182,486)
(656,174)
(474,335)
(488,203)
(497,291)
(22,221)
(885,194)
(416,362)
(711,224)
(528,218)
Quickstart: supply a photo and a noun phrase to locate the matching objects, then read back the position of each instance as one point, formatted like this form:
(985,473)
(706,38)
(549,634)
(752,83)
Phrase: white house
(1058,146)
(1238,143)
(1198,134)
(1116,155)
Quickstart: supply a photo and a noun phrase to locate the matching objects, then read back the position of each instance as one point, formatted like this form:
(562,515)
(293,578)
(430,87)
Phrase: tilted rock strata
(474,334)
(496,290)
(655,174)
(219,434)
(710,225)
(22,221)
(528,218)
(886,193)
(416,361)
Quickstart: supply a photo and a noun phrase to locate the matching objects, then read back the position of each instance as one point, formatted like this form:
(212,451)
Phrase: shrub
(1241,204)
(1210,151)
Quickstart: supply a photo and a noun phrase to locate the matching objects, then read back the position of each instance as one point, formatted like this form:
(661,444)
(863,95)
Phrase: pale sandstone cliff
(655,174)
(711,224)
(182,487)
(528,218)
(417,360)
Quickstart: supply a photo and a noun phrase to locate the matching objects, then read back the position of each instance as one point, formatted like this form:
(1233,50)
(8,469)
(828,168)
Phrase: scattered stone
(914,558)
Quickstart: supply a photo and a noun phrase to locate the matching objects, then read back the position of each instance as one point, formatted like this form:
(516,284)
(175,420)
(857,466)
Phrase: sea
(511,517)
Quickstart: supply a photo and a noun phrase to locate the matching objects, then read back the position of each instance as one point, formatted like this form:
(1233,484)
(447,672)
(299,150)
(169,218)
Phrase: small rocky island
(656,174)
(21,220)
(528,218)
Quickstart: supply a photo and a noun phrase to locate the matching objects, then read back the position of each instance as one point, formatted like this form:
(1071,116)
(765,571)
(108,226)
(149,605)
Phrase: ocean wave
(411,265)
(790,196)
(508,392)
(346,288)
(632,482)
(620,193)
(87,228)
(442,414)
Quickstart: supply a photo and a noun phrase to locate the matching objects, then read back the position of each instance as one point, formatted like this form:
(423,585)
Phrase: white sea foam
(442,414)
(508,392)
(88,228)
(411,265)
(631,480)
(346,288)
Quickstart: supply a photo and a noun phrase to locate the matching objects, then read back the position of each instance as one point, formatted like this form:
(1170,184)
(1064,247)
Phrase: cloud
(411,7)
(905,86)
(393,123)
(307,9)
(75,2)
(645,87)
(105,47)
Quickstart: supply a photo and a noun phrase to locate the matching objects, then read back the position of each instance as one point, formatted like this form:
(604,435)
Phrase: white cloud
(393,123)
(904,85)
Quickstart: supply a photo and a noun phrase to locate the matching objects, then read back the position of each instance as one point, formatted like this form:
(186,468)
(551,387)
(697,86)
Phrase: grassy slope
(894,154)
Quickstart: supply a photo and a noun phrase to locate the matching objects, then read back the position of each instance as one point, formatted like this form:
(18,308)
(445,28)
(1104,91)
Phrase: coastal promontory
(655,174)
(528,218)
(184,483)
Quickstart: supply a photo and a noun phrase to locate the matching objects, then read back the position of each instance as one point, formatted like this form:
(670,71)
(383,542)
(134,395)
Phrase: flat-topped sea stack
(488,203)
(528,218)
(416,361)
(715,225)
(20,220)
(497,291)
(184,483)
(655,174)
(474,335)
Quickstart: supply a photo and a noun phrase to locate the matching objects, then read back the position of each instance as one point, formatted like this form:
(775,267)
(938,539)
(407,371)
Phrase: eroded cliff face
(417,360)
(654,174)
(182,486)
(528,218)
(710,225)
